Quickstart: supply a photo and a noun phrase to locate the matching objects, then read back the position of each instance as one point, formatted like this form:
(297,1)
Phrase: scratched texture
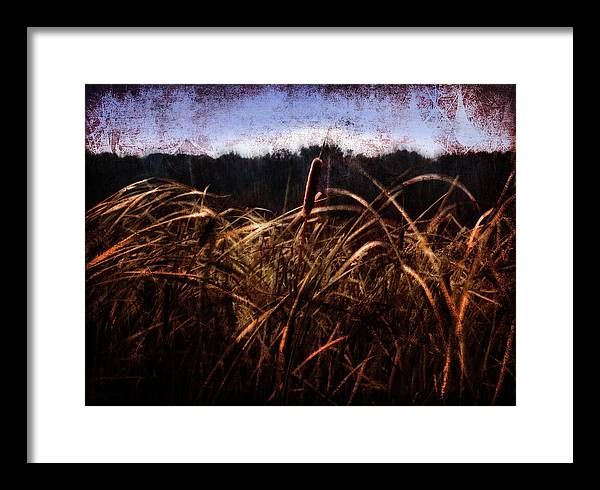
(256,119)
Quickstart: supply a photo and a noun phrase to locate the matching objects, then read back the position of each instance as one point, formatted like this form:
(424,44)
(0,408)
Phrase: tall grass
(339,301)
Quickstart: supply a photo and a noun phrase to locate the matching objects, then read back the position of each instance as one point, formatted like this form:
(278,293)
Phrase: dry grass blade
(319,350)
(505,361)
(359,377)
(354,259)
(477,229)
(258,321)
(444,178)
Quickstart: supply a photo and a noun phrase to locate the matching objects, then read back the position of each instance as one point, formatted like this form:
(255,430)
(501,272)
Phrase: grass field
(350,302)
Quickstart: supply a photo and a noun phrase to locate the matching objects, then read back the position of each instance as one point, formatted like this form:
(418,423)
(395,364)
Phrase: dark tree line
(276,181)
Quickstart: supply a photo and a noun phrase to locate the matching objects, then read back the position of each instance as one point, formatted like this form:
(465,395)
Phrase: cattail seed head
(311,186)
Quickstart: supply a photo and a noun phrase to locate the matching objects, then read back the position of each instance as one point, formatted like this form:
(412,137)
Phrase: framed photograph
(236,260)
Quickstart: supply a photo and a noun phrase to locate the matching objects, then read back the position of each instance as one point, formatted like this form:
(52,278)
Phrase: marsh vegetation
(214,285)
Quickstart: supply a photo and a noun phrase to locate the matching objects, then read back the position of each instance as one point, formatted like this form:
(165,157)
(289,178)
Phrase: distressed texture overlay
(300,244)
(254,120)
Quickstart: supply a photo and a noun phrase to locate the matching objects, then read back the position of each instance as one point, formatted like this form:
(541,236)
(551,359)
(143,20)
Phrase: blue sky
(253,120)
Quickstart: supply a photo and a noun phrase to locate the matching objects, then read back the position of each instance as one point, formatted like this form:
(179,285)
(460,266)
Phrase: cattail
(311,186)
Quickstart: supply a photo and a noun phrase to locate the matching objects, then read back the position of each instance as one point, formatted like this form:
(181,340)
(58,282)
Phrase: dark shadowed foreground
(192,302)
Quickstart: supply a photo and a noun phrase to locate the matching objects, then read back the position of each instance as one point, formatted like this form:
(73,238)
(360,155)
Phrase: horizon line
(346,153)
